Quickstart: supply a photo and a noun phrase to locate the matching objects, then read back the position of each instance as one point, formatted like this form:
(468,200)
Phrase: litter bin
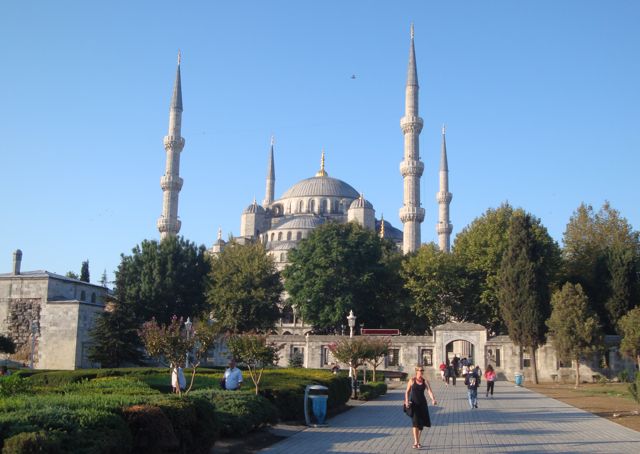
(519,379)
(315,396)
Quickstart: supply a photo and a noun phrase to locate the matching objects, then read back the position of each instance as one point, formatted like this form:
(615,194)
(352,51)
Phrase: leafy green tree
(602,253)
(84,272)
(104,280)
(245,288)
(72,275)
(162,279)
(255,352)
(353,351)
(115,337)
(441,288)
(573,325)
(172,343)
(343,267)
(630,329)
(524,281)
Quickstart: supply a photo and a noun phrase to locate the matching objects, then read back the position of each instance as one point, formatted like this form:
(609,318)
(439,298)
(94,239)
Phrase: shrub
(150,428)
(194,422)
(372,390)
(12,385)
(33,442)
(241,412)
(623,376)
(296,360)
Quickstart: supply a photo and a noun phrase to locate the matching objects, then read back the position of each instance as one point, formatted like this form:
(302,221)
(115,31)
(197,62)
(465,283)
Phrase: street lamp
(351,320)
(34,331)
(188,324)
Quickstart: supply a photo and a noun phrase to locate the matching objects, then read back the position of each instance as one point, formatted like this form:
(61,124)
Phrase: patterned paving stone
(515,420)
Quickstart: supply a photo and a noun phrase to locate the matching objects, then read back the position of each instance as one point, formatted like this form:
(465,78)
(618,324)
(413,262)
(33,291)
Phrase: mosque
(281,223)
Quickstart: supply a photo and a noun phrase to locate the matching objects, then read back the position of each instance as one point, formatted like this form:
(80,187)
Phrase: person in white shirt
(232,377)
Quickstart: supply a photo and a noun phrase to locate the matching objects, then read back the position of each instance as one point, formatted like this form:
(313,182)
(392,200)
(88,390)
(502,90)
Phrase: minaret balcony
(411,168)
(410,124)
(444,228)
(411,214)
(173,143)
(444,197)
(171,183)
(168,225)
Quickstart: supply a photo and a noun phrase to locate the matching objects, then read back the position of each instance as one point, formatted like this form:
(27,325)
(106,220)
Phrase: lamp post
(351,320)
(188,324)
(34,331)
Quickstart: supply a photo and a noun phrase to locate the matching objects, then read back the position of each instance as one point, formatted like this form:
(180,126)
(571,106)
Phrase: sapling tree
(378,347)
(255,352)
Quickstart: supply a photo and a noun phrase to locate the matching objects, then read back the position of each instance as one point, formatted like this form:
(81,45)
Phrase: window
(324,357)
(526,360)
(282,257)
(288,236)
(272,236)
(323,205)
(497,357)
(300,206)
(83,295)
(279,236)
(299,236)
(393,357)
(312,205)
(93,297)
(427,357)
(335,206)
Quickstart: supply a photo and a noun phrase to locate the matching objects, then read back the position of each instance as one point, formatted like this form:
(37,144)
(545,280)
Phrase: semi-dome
(360,202)
(302,222)
(321,186)
(253,208)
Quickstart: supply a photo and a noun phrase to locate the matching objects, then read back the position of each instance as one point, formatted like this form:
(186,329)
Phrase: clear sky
(541,100)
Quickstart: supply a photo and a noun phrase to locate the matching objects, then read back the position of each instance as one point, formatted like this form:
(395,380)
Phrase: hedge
(372,390)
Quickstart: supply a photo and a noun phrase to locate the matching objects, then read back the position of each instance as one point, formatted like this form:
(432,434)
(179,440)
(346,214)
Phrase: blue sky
(541,100)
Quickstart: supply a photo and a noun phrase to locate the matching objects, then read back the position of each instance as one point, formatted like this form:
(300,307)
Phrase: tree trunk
(534,365)
(577,370)
(374,372)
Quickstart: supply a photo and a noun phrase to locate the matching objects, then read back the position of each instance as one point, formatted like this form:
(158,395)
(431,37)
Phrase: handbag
(408,410)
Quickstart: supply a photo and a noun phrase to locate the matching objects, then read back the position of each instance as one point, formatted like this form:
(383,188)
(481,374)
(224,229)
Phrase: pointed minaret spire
(171,183)
(382,225)
(219,233)
(444,226)
(411,168)
(271,178)
(322,172)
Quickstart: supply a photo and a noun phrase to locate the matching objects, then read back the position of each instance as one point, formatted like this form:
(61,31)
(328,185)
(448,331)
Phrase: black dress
(418,400)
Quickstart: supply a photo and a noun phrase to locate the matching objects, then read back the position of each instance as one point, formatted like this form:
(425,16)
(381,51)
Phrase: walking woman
(490,376)
(415,396)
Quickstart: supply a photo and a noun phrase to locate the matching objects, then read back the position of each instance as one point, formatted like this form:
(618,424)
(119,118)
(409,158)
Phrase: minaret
(271,179)
(322,172)
(171,183)
(444,227)
(411,214)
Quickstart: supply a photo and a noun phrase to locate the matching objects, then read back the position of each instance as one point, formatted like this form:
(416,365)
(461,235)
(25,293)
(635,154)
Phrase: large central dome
(321,186)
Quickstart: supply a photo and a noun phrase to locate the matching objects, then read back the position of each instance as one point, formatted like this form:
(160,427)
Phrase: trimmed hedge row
(372,390)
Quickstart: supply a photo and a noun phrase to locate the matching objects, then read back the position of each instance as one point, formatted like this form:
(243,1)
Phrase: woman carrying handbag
(415,398)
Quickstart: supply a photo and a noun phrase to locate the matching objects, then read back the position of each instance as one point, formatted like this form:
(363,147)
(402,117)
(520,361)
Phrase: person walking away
(232,377)
(415,396)
(443,367)
(452,374)
(490,376)
(472,381)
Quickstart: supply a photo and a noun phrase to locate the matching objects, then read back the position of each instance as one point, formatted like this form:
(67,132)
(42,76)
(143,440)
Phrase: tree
(163,279)
(573,325)
(353,351)
(104,280)
(172,343)
(524,282)
(602,253)
(343,267)
(245,288)
(378,348)
(115,337)
(255,352)
(441,287)
(84,271)
(72,275)
(157,281)
(630,329)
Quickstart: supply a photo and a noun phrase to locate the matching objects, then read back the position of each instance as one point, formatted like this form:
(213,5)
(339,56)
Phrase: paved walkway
(515,420)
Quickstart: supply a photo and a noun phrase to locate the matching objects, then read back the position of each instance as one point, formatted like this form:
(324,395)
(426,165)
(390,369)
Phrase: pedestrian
(490,376)
(178,382)
(335,369)
(415,397)
(232,377)
(452,374)
(443,367)
(472,381)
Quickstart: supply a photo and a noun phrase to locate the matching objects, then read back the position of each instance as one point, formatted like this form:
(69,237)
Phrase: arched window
(83,295)
(93,297)
(324,205)
(336,205)
(299,236)
(282,257)
(288,236)
(301,206)
(279,236)
(273,235)
(312,206)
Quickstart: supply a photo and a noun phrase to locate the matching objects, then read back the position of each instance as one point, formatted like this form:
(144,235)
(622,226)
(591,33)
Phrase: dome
(361,202)
(301,222)
(253,208)
(321,186)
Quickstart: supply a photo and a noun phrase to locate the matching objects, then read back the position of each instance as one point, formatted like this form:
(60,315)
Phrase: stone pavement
(515,420)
